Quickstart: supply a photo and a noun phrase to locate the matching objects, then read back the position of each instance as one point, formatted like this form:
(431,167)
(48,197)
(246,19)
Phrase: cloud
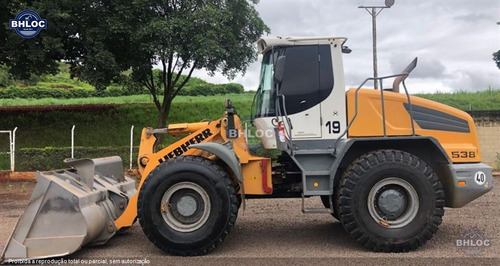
(453,39)
(472,80)
(427,67)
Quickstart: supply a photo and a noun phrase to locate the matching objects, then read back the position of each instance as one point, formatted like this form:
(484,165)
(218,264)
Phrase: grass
(120,100)
(110,127)
(61,79)
(483,100)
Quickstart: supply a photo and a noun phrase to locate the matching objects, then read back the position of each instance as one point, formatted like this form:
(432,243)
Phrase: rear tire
(187,205)
(391,201)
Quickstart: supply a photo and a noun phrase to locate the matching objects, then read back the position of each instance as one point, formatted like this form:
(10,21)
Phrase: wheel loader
(384,163)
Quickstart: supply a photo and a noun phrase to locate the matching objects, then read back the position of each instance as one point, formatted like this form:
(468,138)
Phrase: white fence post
(12,146)
(73,142)
(13,151)
(131,144)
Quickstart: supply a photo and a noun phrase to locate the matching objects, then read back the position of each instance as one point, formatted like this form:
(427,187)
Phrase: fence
(12,147)
(131,144)
(38,158)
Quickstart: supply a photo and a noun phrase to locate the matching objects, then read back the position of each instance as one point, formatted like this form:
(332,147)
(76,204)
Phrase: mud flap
(71,208)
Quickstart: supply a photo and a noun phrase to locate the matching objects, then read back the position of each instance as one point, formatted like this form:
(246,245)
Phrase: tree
(496,58)
(100,39)
(182,36)
(27,58)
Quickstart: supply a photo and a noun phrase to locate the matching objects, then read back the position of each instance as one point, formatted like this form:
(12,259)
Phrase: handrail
(411,109)
(381,81)
(289,131)
(376,79)
(286,117)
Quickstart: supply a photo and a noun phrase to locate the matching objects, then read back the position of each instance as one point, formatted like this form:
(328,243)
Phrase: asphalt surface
(274,231)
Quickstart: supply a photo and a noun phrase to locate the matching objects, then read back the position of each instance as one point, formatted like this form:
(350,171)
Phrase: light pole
(374,10)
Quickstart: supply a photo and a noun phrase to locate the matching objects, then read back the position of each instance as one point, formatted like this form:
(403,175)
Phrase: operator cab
(302,86)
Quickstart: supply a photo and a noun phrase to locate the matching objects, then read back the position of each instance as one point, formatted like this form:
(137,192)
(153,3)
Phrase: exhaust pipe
(71,208)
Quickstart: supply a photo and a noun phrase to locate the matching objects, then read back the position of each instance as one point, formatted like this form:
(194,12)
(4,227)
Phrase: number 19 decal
(333,127)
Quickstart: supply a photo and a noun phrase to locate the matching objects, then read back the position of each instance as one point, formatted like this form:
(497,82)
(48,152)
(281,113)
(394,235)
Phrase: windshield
(265,98)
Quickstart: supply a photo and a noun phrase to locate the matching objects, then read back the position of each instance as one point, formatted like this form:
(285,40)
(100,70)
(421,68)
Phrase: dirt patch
(13,195)
(17,176)
(31,176)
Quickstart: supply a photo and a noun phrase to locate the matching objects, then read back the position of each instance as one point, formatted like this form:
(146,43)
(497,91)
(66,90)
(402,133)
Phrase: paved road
(274,231)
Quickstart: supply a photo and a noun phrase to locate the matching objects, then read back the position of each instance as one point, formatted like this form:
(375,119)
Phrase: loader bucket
(71,208)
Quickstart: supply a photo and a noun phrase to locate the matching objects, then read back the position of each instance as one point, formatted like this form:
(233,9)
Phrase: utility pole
(374,11)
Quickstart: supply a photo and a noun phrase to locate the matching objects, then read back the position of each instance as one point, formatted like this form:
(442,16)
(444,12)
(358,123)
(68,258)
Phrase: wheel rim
(185,207)
(393,202)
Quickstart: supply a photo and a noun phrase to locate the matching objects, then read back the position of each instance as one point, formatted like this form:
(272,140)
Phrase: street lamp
(374,10)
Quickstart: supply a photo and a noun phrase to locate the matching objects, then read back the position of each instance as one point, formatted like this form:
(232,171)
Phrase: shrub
(61,93)
(51,158)
(127,89)
(5,77)
(206,89)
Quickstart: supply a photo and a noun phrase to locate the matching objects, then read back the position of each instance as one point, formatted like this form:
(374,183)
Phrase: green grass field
(145,98)
(467,101)
(484,100)
(110,127)
(61,79)
(103,128)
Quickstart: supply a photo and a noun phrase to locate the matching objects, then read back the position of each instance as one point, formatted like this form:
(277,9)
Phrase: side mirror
(279,68)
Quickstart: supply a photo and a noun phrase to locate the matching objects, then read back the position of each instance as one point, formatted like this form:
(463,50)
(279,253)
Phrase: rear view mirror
(279,68)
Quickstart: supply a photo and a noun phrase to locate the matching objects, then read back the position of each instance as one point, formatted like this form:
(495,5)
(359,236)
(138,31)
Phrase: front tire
(391,201)
(187,205)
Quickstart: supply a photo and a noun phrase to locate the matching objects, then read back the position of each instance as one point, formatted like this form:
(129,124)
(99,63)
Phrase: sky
(453,39)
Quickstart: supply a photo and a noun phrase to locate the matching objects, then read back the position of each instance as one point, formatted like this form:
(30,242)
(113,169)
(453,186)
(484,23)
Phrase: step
(316,173)
(317,210)
(315,151)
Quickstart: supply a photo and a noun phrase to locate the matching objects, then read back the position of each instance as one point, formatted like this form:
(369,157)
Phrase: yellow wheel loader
(384,163)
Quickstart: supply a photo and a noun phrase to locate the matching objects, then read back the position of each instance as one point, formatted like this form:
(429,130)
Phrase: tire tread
(353,174)
(233,206)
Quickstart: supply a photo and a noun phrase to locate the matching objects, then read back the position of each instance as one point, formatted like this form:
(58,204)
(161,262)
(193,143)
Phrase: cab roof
(266,43)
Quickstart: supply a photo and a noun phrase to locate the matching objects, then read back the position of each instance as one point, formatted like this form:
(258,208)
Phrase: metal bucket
(71,208)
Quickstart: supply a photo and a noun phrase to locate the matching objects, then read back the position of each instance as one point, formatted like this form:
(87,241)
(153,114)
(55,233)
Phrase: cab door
(300,86)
